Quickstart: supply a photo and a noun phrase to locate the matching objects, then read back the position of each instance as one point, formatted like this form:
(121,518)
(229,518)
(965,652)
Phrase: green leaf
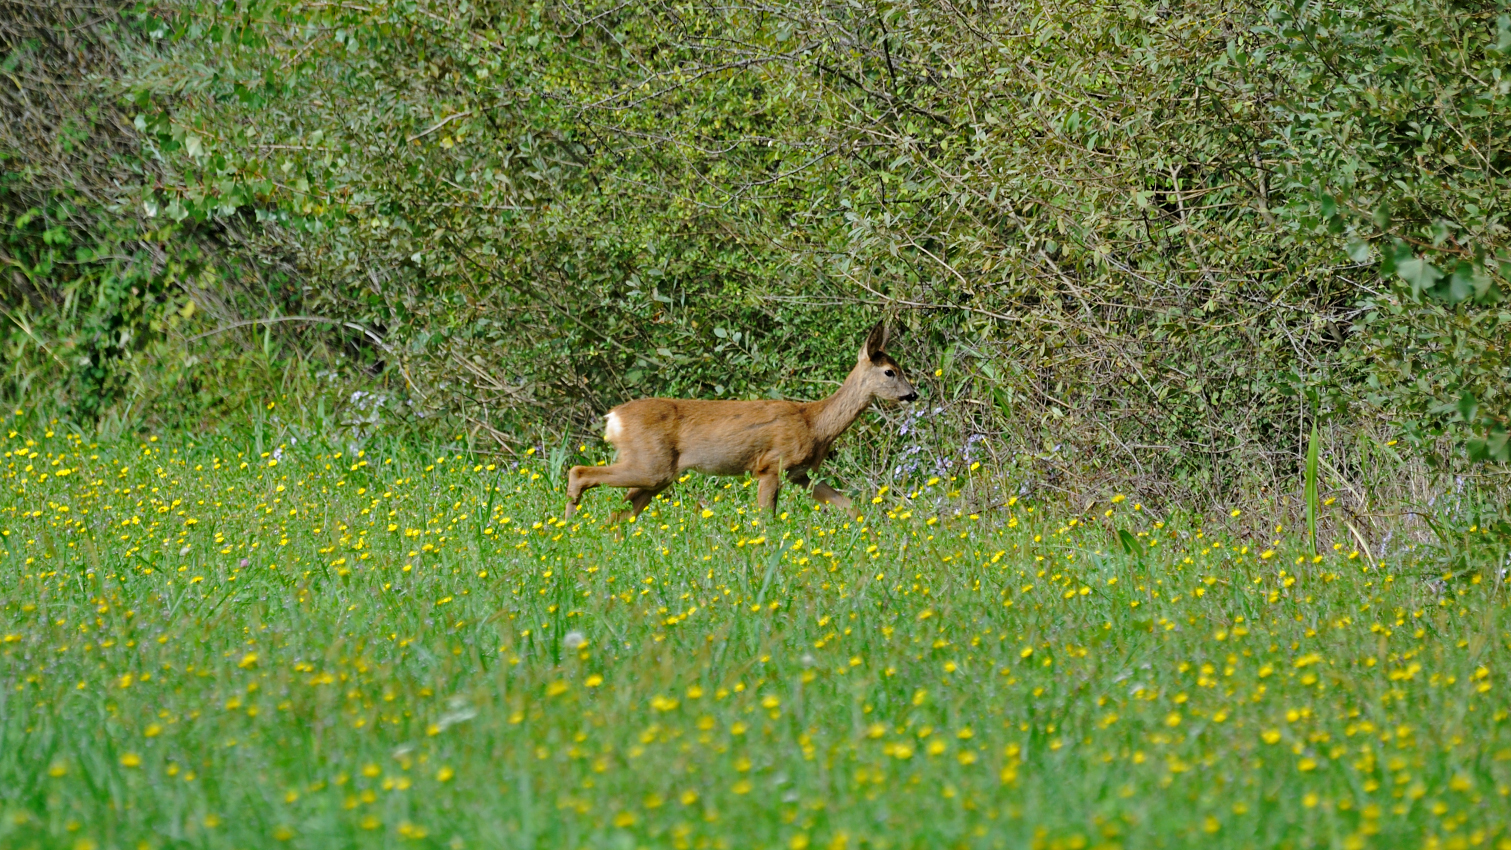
(1468,405)
(1498,445)
(1494,446)
(1461,285)
(1131,544)
(1419,273)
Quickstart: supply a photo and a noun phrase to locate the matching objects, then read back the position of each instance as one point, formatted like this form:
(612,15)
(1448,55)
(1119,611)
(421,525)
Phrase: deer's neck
(831,416)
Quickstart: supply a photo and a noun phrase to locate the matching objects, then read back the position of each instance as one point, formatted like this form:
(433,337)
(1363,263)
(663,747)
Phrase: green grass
(199,648)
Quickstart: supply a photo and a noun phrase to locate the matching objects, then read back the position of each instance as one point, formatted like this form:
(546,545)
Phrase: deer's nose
(912,396)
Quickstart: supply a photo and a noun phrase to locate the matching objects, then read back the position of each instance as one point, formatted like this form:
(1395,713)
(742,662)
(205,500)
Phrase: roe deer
(656,439)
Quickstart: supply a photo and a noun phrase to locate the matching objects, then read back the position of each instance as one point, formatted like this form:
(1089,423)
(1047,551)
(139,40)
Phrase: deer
(657,439)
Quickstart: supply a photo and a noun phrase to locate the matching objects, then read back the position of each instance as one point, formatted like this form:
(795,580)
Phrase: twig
(439,124)
(1363,547)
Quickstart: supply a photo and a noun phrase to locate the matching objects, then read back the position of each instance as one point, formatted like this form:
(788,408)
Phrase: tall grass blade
(1312,508)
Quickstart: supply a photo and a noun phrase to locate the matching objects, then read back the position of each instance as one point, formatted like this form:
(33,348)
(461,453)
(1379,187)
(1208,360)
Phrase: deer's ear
(875,342)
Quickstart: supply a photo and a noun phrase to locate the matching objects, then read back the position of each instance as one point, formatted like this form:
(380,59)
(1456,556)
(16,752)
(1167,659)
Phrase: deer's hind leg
(637,478)
(650,468)
(639,498)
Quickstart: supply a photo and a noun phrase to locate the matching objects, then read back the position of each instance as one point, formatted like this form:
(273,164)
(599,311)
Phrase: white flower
(574,639)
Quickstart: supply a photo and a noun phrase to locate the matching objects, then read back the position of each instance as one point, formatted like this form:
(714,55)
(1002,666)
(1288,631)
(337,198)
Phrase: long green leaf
(1312,507)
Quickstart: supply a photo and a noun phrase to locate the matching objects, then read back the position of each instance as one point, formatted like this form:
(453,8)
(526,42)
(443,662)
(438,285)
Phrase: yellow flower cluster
(214,641)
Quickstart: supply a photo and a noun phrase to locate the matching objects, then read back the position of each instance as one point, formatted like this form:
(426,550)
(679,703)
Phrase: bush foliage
(1147,241)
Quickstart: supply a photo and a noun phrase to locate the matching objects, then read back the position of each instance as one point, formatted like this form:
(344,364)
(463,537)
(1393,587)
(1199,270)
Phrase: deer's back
(713,437)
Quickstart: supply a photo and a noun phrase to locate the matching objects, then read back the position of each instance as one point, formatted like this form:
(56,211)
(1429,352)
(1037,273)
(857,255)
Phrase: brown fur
(657,439)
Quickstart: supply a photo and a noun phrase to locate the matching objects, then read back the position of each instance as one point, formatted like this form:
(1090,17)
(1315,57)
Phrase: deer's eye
(890,374)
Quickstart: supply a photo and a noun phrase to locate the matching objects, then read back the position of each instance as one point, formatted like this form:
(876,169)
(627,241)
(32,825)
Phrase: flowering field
(213,643)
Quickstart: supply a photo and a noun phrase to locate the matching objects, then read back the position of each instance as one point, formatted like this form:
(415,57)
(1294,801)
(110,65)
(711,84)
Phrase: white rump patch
(613,429)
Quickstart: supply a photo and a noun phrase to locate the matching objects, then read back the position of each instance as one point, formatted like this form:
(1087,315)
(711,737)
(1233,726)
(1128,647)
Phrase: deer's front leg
(770,486)
(829,496)
(824,494)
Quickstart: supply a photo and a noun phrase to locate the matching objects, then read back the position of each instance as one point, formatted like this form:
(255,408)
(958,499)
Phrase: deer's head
(881,377)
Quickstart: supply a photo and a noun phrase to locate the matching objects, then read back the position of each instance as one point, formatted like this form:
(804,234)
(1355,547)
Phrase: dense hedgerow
(1149,246)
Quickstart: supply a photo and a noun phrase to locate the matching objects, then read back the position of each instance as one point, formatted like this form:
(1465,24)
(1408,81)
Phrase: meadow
(210,642)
